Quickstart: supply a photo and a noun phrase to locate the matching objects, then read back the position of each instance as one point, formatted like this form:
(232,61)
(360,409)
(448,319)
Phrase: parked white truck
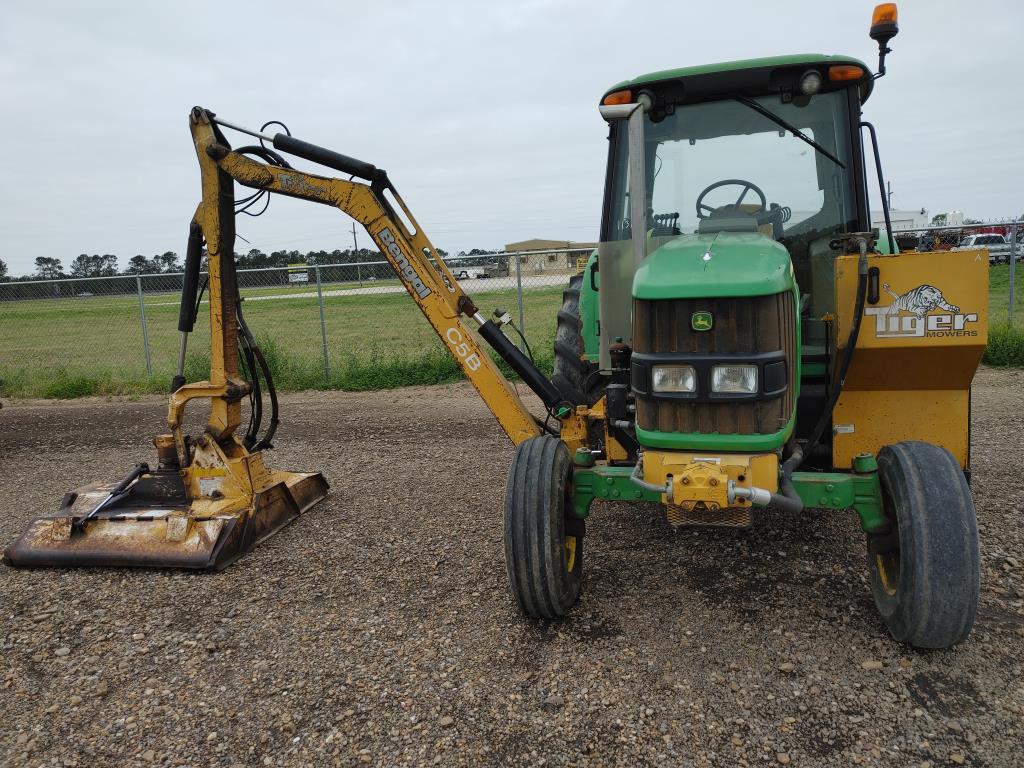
(997,245)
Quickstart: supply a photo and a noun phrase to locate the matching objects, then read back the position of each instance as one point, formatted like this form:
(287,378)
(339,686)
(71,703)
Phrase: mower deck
(156,526)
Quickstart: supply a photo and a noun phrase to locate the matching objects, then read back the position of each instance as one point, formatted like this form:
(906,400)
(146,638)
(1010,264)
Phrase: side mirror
(883,29)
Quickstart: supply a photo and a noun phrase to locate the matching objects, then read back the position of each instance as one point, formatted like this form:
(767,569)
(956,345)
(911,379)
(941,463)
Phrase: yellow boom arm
(422,271)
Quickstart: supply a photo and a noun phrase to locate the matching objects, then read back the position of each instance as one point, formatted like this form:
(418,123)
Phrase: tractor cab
(752,155)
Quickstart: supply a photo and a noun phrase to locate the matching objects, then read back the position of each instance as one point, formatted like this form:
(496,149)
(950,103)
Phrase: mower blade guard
(156,526)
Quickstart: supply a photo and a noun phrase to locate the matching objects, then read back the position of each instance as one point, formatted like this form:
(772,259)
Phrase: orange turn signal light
(844,72)
(618,97)
(885,13)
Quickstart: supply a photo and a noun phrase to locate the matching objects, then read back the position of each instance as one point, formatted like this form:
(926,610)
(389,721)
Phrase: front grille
(731,517)
(741,326)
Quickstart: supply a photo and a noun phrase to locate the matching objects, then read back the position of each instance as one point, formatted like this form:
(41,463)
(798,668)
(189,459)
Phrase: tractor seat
(730,221)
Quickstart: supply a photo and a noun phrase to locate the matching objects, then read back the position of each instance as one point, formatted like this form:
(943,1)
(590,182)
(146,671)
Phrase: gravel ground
(378,629)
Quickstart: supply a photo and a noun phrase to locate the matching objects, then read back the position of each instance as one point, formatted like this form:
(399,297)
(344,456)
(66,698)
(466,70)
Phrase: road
(471,286)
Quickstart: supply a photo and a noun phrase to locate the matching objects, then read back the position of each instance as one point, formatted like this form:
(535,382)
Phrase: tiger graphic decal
(921,311)
(919,301)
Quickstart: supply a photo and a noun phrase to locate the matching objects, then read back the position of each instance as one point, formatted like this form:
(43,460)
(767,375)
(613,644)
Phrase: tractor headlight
(810,83)
(734,379)
(673,378)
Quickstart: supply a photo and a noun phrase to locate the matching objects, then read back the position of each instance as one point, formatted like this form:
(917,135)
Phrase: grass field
(93,345)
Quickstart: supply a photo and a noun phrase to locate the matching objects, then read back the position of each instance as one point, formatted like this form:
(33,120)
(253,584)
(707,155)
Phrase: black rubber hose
(199,299)
(265,441)
(268,378)
(787,503)
(255,396)
(267,154)
(797,455)
(252,376)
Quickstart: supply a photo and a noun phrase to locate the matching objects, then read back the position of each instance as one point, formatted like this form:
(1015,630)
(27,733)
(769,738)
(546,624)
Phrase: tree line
(106,265)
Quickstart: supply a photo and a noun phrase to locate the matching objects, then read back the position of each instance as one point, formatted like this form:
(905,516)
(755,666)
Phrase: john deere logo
(701,321)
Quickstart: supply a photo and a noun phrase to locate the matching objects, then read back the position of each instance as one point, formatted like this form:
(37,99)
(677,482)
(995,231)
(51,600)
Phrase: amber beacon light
(883,29)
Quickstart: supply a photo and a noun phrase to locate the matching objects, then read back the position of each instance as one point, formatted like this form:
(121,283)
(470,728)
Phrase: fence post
(145,331)
(519,294)
(359,274)
(323,325)
(1013,265)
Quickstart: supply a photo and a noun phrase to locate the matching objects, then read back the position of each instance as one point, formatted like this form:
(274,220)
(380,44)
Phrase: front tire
(925,574)
(543,538)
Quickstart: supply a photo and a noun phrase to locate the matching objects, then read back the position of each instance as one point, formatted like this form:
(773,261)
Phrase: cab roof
(770,62)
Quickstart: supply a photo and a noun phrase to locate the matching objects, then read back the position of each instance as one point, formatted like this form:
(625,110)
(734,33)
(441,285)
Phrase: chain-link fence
(334,325)
(344,325)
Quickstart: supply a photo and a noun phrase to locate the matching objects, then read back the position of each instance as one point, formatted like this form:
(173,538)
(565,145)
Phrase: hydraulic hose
(788,499)
(636,477)
(762,497)
(256,358)
(797,454)
(521,364)
(265,441)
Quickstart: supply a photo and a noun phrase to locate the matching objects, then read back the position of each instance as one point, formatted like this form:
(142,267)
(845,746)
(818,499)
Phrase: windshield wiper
(787,126)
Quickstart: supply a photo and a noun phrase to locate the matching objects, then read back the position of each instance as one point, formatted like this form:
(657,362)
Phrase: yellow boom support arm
(422,271)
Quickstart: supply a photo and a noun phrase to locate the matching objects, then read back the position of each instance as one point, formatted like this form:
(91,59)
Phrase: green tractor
(743,338)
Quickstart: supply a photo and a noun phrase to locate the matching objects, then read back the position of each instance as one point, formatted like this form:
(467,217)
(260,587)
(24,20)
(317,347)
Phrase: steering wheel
(747,187)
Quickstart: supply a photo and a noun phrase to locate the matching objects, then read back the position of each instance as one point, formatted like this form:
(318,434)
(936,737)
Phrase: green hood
(740,264)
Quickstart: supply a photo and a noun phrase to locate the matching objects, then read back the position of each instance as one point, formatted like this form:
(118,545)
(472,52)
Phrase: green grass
(1005,343)
(1005,347)
(93,346)
(999,295)
(75,347)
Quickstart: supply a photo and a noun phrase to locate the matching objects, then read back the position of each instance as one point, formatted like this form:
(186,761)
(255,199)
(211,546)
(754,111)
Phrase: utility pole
(355,245)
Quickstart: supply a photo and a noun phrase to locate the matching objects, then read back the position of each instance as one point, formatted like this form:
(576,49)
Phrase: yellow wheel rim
(570,553)
(888,572)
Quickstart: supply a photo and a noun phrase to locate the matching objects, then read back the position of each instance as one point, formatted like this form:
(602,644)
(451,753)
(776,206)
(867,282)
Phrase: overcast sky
(484,113)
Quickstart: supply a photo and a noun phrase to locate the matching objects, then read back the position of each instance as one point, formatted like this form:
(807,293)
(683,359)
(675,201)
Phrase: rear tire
(926,579)
(543,539)
(574,376)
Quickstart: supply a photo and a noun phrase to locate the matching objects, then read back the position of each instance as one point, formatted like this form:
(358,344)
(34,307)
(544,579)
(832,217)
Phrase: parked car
(496,268)
(464,273)
(997,246)
(905,241)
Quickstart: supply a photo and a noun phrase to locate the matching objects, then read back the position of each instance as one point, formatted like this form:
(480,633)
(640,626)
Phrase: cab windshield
(726,166)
